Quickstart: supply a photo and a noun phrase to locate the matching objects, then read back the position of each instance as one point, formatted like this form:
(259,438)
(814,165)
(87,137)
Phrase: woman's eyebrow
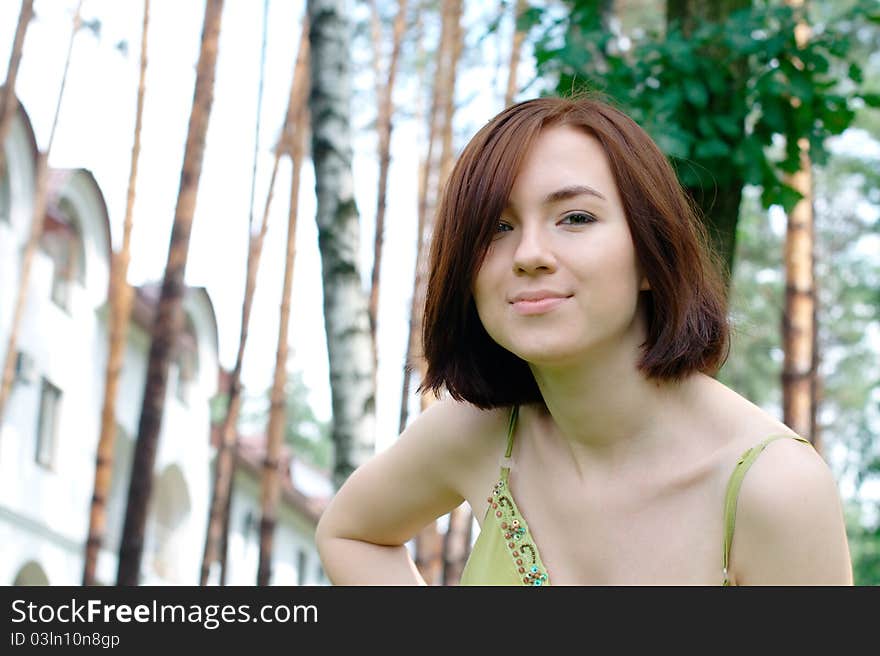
(565,193)
(570,192)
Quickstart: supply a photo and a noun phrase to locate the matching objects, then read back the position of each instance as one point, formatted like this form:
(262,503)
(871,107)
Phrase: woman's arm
(790,528)
(389,499)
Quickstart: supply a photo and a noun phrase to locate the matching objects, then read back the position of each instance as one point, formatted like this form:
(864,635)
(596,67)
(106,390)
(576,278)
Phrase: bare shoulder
(790,528)
(429,470)
(455,436)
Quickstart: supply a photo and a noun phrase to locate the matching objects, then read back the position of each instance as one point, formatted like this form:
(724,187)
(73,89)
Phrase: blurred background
(212,228)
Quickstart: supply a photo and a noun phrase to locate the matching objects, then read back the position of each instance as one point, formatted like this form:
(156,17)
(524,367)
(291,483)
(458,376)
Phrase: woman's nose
(533,252)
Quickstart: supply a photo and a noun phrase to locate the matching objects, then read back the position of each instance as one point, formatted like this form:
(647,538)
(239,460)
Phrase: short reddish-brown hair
(686,307)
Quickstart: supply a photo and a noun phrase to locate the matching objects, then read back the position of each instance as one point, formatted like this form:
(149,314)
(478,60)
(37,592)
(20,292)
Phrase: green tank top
(505,552)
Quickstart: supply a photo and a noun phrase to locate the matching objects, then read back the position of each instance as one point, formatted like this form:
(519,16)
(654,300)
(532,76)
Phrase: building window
(47,429)
(185,375)
(187,362)
(62,242)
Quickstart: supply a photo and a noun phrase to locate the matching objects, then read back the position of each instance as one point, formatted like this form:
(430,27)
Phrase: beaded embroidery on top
(518,539)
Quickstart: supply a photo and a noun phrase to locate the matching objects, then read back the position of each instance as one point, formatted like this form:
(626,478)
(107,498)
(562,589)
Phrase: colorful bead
(515,533)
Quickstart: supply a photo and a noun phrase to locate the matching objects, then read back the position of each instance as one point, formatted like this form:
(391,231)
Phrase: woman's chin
(546,355)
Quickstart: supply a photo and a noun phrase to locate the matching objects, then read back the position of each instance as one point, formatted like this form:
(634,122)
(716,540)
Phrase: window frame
(46,446)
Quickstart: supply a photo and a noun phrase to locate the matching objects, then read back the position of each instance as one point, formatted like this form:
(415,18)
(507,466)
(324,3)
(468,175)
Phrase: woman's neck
(607,411)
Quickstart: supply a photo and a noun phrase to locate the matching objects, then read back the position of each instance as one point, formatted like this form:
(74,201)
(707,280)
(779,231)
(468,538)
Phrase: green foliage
(716,96)
(864,546)
(754,367)
(306,435)
(848,280)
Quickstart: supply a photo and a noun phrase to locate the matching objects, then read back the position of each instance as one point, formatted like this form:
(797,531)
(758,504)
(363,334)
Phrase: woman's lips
(540,306)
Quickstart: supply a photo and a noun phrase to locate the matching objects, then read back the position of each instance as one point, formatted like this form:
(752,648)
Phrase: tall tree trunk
(429,545)
(384,125)
(452,545)
(817,388)
(169,317)
(36,232)
(799,317)
(411,346)
(720,205)
(428,190)
(224,536)
(457,544)
(346,312)
(121,295)
(515,48)
(271,483)
(8,102)
(427,542)
(216,536)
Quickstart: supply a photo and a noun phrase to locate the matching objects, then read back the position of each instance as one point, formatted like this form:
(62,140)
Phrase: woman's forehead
(561,160)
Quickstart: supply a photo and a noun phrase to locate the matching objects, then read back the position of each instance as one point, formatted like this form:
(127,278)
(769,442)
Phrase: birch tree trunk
(384,126)
(36,232)
(271,483)
(8,102)
(346,312)
(169,316)
(121,294)
(798,323)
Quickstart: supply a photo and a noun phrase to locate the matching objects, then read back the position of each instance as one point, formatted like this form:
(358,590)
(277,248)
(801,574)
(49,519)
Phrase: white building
(48,438)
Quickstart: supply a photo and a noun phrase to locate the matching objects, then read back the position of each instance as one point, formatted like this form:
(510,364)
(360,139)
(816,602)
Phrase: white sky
(95,132)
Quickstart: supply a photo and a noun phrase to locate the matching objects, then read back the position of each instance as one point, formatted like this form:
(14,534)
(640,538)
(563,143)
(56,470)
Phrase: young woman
(575,316)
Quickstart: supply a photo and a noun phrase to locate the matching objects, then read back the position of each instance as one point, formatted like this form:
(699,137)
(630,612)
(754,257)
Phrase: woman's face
(560,280)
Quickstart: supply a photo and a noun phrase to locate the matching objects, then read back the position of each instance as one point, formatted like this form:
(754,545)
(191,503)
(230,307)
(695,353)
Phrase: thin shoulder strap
(506,461)
(733,486)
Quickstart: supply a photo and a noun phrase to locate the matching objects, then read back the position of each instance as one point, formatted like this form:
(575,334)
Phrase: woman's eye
(578,218)
(503,227)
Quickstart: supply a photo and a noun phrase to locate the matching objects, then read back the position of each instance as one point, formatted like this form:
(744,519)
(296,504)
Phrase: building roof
(146,300)
(251,454)
(306,488)
(29,128)
(59,179)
